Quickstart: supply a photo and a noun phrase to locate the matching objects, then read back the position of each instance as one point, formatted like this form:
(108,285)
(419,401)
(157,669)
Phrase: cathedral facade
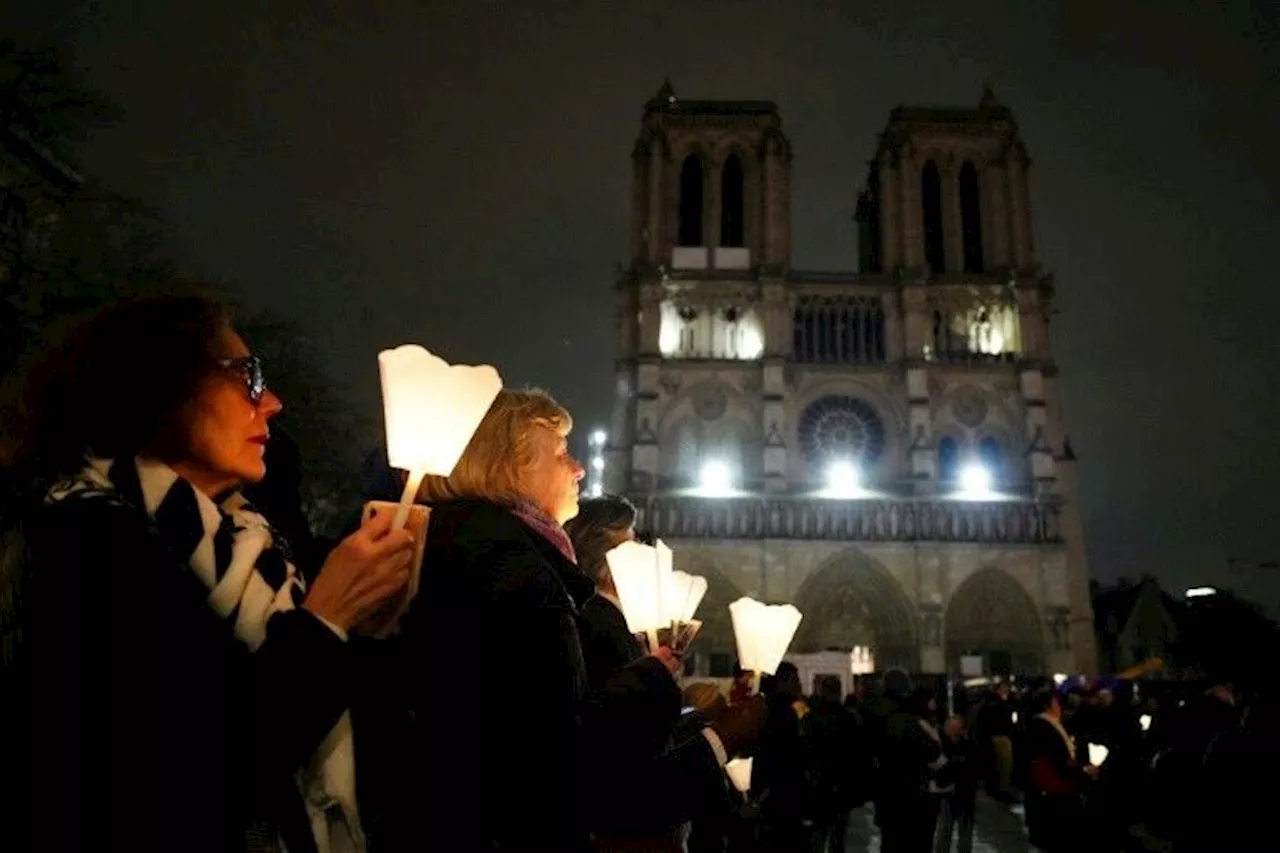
(881,447)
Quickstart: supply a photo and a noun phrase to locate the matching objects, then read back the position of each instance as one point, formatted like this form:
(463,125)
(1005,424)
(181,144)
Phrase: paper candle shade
(739,770)
(1145,722)
(432,408)
(642,575)
(762,632)
(684,594)
(1097,754)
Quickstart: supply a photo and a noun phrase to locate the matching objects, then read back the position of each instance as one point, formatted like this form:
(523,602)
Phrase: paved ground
(996,830)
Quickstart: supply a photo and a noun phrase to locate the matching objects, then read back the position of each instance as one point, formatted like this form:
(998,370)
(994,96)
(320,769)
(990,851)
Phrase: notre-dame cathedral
(881,447)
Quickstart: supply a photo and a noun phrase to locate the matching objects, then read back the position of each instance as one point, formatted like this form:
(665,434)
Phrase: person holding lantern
(501,582)
(682,757)
(168,672)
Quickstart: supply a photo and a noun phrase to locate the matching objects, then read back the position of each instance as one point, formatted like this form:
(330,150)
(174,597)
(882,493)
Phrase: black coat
(134,720)
(607,644)
(496,684)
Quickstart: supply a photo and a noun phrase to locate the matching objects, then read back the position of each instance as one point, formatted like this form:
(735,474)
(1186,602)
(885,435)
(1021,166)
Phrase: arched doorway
(853,601)
(991,616)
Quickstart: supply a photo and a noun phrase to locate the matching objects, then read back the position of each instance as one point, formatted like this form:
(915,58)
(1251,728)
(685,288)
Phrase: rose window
(841,428)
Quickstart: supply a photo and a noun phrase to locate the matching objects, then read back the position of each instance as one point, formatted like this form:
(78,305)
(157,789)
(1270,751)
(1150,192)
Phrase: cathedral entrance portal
(853,601)
(992,617)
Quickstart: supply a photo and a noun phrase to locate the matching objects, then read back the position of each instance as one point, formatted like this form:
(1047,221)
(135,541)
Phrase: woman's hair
(601,525)
(496,459)
(117,385)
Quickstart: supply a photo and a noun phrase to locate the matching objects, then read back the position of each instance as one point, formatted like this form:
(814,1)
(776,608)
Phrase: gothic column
(656,241)
(912,213)
(1019,210)
(894,328)
(915,305)
(995,216)
(890,218)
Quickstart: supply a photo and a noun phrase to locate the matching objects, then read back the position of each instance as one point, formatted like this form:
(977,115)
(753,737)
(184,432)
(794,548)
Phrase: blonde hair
(493,466)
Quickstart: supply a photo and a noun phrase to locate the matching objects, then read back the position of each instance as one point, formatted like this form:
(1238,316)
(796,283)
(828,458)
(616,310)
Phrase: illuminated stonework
(881,446)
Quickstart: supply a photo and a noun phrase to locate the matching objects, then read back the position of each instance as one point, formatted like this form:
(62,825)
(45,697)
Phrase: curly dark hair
(118,384)
(601,525)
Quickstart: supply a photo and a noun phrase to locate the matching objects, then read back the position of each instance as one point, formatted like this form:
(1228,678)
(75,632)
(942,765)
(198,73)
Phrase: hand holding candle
(432,409)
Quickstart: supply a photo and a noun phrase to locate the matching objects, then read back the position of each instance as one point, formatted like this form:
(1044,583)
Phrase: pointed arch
(991,615)
(853,601)
(691,201)
(971,218)
(931,201)
(732,203)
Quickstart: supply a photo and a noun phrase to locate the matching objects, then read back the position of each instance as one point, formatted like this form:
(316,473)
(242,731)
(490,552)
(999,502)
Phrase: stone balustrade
(1012,522)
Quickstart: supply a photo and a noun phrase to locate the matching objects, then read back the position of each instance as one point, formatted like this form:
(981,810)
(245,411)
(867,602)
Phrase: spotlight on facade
(975,482)
(843,479)
(716,479)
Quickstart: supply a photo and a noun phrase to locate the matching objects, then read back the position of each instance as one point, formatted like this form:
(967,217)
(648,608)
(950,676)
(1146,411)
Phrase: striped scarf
(250,577)
(228,546)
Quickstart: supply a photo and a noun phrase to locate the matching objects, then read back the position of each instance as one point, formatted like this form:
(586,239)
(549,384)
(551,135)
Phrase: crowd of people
(179,676)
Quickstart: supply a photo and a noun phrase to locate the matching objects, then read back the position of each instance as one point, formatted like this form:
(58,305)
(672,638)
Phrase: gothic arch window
(970,218)
(691,201)
(841,428)
(991,454)
(732,207)
(948,459)
(931,201)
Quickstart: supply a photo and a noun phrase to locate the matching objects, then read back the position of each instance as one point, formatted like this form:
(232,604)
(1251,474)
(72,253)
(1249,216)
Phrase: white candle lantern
(1097,754)
(762,632)
(432,408)
(642,575)
(739,770)
(684,595)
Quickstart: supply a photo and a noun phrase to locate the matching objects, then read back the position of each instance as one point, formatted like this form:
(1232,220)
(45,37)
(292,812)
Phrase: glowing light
(717,478)
(1201,592)
(751,343)
(1059,678)
(975,481)
(843,479)
(597,462)
(598,438)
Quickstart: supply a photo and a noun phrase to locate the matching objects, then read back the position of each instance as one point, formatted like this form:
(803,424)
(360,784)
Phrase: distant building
(882,447)
(1136,622)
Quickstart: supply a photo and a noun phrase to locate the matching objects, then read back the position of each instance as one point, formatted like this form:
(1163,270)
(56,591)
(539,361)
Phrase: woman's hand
(672,660)
(368,567)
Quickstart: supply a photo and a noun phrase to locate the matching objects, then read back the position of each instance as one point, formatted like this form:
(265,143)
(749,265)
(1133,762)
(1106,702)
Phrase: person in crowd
(1178,778)
(654,736)
(910,756)
(601,525)
(957,782)
(1056,779)
(778,773)
(170,671)
(500,576)
(995,722)
(839,765)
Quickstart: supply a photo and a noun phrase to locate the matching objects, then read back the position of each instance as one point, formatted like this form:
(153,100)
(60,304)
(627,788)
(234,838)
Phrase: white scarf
(235,553)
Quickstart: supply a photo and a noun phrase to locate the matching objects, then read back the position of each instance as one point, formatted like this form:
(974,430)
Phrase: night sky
(457,174)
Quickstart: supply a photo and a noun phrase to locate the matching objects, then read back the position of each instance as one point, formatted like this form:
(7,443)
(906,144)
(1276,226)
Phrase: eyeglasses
(249,368)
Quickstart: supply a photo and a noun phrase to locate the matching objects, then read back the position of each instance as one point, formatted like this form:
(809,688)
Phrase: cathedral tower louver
(881,447)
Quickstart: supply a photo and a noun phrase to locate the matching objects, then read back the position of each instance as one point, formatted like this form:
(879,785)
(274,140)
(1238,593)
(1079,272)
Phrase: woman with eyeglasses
(169,677)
